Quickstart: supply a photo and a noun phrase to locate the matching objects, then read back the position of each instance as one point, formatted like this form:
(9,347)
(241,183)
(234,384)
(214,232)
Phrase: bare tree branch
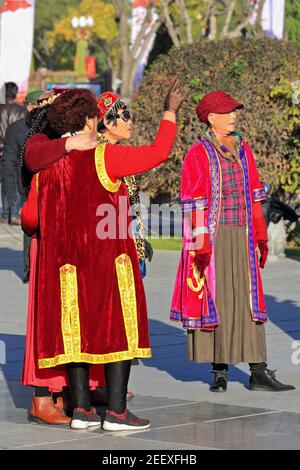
(118,6)
(169,24)
(182,7)
(238,29)
(228,16)
(259,14)
(146,42)
(145,25)
(246,22)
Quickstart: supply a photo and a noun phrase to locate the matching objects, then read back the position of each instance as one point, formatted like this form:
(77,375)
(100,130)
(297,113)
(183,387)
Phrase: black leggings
(41,392)
(117,376)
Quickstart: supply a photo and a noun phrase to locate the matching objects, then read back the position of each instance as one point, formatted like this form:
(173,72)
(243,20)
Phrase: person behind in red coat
(91,298)
(50,385)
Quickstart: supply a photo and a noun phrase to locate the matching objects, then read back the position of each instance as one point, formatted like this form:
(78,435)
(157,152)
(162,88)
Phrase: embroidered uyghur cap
(49,96)
(33,96)
(109,102)
(216,102)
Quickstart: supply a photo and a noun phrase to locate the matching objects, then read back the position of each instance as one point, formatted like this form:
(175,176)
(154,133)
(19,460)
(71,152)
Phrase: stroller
(277,213)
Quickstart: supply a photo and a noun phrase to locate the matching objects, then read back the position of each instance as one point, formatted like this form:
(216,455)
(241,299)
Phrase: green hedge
(259,72)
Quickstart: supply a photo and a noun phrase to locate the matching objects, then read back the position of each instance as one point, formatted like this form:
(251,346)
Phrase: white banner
(272,20)
(139,12)
(16,42)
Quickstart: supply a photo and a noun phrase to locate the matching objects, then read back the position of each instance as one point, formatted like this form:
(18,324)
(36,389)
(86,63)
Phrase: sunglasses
(125,115)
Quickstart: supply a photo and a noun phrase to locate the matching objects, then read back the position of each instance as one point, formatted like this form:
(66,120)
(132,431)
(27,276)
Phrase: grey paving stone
(265,431)
(172,391)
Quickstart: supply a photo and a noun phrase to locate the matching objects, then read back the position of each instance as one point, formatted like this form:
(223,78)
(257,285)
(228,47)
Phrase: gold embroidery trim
(128,300)
(37,182)
(71,321)
(103,177)
(70,318)
(93,358)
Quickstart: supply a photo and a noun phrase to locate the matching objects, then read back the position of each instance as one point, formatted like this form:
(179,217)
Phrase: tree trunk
(212,27)
(127,81)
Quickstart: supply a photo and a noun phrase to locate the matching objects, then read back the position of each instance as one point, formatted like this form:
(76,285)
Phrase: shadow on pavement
(12,260)
(169,351)
(169,354)
(285,315)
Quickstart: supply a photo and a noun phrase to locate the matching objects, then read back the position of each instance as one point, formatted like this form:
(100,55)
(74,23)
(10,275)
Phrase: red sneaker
(83,419)
(124,422)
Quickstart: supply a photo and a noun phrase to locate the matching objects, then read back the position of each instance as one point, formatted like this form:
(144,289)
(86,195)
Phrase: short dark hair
(101,128)
(69,111)
(111,116)
(11,90)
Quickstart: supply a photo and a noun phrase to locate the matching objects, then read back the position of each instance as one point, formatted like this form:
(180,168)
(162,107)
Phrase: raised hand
(174,98)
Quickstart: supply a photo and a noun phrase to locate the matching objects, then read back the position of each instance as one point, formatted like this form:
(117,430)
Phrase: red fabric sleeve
(256,186)
(121,160)
(259,222)
(41,152)
(29,212)
(195,177)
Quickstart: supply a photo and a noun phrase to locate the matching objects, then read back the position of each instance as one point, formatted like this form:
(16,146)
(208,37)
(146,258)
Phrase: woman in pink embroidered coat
(218,293)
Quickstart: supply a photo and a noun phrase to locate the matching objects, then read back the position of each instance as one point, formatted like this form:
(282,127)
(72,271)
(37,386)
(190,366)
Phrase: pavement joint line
(251,405)
(163,427)
(206,422)
(242,416)
(167,406)
(172,443)
(55,442)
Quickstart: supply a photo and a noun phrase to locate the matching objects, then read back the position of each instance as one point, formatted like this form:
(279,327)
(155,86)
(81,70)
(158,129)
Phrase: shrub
(260,72)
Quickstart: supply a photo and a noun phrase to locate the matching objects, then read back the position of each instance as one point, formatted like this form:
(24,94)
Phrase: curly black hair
(70,110)
(37,121)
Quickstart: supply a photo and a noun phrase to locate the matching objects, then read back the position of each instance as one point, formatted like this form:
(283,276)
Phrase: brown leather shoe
(64,403)
(15,221)
(43,411)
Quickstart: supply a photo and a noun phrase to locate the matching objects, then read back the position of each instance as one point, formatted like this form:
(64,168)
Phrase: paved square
(170,390)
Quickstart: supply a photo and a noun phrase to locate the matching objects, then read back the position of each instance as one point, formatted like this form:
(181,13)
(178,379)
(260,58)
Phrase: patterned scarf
(135,203)
(229,147)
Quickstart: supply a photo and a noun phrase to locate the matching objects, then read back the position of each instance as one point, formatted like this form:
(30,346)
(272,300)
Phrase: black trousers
(117,376)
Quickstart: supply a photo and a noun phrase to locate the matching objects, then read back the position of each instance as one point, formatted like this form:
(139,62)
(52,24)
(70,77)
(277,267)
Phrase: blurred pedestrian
(9,113)
(11,170)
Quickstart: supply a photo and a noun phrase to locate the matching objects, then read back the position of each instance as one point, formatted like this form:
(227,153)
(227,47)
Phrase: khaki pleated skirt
(238,338)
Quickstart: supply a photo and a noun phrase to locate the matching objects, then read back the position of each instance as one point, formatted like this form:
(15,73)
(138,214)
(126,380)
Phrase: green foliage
(47,13)
(292,20)
(259,72)
(55,39)
(237,68)
(287,96)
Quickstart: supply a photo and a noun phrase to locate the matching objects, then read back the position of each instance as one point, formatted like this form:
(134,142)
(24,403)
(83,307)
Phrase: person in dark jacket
(11,169)
(10,112)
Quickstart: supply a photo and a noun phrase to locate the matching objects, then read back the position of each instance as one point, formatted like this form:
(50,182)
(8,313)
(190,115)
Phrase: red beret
(216,102)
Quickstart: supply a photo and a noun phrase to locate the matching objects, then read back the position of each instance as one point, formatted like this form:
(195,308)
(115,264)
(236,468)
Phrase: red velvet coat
(91,301)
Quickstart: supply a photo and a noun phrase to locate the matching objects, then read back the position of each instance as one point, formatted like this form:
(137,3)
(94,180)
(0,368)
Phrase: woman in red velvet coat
(91,300)
(51,396)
